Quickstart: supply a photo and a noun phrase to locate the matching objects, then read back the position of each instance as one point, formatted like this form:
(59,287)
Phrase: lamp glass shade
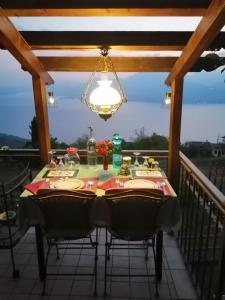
(105,94)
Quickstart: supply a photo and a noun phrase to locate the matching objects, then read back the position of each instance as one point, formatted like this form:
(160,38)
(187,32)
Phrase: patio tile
(175,282)
(120,289)
(82,288)
(7,284)
(23,286)
(62,287)
(183,284)
(174,258)
(140,290)
(120,261)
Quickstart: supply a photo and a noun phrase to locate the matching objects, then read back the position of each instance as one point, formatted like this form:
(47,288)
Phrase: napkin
(34,186)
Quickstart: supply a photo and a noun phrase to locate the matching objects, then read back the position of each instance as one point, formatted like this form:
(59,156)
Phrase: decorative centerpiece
(72,157)
(104,148)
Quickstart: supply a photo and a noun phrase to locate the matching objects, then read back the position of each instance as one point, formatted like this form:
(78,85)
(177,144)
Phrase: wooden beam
(12,40)
(107,12)
(200,40)
(174,134)
(122,40)
(42,119)
(105,8)
(121,64)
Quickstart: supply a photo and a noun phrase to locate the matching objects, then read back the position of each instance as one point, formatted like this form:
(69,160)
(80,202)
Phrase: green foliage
(34,133)
(142,141)
(81,142)
(55,144)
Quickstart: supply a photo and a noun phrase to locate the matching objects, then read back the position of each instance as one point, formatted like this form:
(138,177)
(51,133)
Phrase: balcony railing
(202,234)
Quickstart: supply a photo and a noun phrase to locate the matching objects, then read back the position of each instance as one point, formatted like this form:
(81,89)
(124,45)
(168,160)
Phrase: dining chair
(67,218)
(11,230)
(132,218)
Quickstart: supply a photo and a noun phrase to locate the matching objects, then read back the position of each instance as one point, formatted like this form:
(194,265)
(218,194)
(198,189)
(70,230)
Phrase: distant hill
(12,141)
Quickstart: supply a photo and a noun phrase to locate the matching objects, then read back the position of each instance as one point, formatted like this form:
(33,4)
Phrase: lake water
(70,120)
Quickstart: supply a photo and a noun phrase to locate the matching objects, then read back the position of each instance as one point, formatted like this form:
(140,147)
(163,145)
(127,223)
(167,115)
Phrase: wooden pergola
(21,44)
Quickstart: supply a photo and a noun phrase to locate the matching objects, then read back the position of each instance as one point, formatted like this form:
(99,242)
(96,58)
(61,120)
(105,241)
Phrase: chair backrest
(66,214)
(133,213)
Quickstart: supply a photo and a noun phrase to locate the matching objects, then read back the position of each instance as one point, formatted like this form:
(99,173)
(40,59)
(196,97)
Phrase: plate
(140,183)
(69,184)
(60,173)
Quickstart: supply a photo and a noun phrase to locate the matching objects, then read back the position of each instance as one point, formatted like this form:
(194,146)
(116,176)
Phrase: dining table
(98,180)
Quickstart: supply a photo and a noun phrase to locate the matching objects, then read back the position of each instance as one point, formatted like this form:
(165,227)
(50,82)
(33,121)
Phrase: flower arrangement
(104,147)
(71,150)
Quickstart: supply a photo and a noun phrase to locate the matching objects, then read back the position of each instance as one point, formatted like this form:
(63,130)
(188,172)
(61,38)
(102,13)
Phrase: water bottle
(91,150)
(117,151)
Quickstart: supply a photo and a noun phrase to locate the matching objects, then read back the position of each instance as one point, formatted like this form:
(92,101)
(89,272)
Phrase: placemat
(60,173)
(88,183)
(112,183)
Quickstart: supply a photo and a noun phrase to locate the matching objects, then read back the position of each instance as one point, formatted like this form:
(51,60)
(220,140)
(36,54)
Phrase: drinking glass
(136,163)
(60,164)
(145,163)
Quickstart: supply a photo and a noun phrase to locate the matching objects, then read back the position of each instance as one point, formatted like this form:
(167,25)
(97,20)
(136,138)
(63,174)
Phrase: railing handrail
(204,182)
(36,152)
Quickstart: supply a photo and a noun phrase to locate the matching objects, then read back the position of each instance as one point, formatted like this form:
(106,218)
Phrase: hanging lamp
(104,94)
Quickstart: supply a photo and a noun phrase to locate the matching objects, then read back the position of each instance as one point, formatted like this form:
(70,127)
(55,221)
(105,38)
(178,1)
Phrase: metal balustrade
(202,234)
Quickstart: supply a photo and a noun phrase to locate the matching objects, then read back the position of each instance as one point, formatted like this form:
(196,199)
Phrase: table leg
(159,251)
(40,251)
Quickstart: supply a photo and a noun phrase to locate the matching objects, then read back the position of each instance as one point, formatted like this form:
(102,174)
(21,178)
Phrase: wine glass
(145,163)
(136,163)
(60,164)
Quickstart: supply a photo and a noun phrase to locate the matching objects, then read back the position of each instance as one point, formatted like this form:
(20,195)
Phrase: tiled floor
(175,283)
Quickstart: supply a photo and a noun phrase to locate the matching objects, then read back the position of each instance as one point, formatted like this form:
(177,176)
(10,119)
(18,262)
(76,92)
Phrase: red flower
(71,150)
(104,148)
(110,144)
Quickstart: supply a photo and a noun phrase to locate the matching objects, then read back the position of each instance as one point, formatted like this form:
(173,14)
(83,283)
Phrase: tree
(34,133)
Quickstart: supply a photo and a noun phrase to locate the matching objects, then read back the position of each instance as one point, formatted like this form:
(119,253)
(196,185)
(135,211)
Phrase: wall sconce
(104,94)
(51,100)
(167,99)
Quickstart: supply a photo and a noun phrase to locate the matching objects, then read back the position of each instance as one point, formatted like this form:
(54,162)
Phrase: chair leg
(57,251)
(146,246)
(46,266)
(96,260)
(108,247)
(106,259)
(156,279)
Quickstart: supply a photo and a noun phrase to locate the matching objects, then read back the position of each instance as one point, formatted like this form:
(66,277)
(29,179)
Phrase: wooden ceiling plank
(200,40)
(12,40)
(107,12)
(121,64)
(153,40)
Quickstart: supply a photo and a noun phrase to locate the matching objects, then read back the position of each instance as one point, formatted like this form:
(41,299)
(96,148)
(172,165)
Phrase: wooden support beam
(200,40)
(105,8)
(42,119)
(174,134)
(108,12)
(12,40)
(121,64)
(119,40)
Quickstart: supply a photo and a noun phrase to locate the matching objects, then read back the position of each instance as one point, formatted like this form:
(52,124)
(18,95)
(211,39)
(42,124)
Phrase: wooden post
(174,135)
(42,118)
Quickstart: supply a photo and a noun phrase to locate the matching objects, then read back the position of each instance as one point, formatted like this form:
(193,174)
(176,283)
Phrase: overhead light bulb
(105,94)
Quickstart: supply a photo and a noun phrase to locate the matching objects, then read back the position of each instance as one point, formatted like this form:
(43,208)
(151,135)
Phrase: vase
(105,163)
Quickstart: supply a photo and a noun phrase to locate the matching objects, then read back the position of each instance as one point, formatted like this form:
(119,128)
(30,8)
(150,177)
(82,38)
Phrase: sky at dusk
(202,117)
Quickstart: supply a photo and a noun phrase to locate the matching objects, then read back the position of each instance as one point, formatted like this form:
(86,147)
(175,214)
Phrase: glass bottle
(91,150)
(117,151)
